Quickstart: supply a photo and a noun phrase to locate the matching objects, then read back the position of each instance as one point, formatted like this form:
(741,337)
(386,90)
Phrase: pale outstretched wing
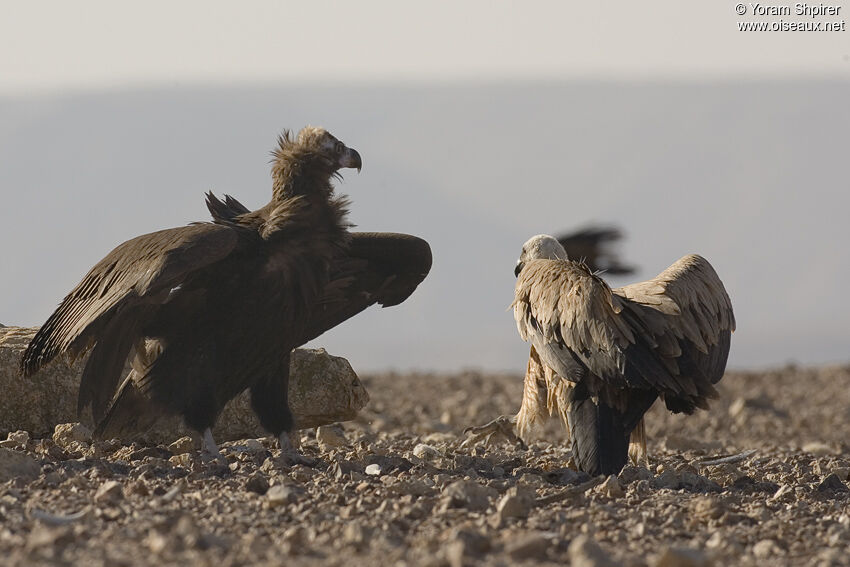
(687,318)
(108,304)
(643,337)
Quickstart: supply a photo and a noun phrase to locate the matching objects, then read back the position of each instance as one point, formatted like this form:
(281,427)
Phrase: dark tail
(130,413)
(600,432)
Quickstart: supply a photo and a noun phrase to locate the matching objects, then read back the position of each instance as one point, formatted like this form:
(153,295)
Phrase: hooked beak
(350,159)
(518,268)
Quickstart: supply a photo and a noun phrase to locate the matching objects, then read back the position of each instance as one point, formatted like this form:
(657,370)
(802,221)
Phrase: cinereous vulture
(208,310)
(600,356)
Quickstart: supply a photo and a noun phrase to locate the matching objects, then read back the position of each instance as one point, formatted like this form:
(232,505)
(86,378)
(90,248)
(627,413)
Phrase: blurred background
(480,124)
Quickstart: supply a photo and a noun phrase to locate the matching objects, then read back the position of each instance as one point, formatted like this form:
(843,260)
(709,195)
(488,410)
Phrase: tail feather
(130,413)
(600,432)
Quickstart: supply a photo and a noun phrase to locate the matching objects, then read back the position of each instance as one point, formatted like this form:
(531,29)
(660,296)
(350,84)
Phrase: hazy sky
(94,44)
(659,117)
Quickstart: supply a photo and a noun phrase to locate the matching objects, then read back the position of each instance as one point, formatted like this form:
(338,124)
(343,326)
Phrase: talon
(290,455)
(503,426)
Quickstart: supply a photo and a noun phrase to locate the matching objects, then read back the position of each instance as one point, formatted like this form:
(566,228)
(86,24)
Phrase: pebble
(109,492)
(14,464)
(765,548)
(611,487)
(374,469)
(282,494)
(65,434)
(819,449)
(584,552)
(683,557)
(467,494)
(257,483)
(16,440)
(528,547)
(330,436)
(517,502)
(426,452)
(182,446)
(832,484)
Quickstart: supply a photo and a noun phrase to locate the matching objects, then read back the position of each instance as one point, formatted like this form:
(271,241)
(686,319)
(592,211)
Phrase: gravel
(395,488)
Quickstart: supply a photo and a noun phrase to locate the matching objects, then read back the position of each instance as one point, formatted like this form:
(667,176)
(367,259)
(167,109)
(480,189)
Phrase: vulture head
(314,151)
(540,247)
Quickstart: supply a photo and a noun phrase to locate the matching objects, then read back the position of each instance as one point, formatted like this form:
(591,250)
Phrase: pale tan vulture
(600,357)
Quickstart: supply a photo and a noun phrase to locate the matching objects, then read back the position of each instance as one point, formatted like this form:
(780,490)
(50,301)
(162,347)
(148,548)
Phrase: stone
(330,436)
(467,494)
(517,502)
(323,389)
(611,487)
(282,494)
(257,483)
(683,557)
(426,452)
(109,492)
(707,508)
(182,446)
(832,484)
(16,440)
(14,464)
(819,449)
(66,433)
(532,546)
(251,446)
(765,548)
(373,470)
(584,552)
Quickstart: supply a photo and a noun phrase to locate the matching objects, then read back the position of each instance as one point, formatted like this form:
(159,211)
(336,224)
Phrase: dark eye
(339,147)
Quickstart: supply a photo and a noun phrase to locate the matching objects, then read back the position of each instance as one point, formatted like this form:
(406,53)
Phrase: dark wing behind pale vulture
(592,245)
(378,267)
(670,334)
(109,303)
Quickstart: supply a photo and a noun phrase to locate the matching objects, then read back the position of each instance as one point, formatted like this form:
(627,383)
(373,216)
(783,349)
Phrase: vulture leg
(270,400)
(290,455)
(637,446)
(210,451)
(503,426)
(601,431)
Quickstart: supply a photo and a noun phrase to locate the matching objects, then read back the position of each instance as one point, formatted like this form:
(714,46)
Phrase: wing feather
(670,332)
(144,269)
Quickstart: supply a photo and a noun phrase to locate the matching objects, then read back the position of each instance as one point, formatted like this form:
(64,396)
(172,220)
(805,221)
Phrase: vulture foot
(503,426)
(210,452)
(289,454)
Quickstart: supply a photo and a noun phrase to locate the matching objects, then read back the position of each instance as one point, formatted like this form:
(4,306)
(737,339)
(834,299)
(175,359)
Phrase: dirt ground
(395,488)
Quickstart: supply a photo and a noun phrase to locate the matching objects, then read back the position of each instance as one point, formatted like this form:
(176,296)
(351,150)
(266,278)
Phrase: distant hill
(751,175)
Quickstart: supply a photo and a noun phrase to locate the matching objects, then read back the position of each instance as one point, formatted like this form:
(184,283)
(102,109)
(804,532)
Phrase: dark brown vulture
(208,310)
(601,356)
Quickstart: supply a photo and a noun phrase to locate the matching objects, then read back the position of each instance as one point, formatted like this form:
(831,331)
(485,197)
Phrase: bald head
(540,247)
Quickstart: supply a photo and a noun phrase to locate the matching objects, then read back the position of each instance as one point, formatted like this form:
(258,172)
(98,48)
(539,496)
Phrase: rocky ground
(396,488)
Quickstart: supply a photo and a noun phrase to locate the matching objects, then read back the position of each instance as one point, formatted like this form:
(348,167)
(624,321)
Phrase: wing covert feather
(670,332)
(138,270)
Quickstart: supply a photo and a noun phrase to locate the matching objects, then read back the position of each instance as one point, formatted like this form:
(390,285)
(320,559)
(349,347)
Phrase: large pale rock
(323,389)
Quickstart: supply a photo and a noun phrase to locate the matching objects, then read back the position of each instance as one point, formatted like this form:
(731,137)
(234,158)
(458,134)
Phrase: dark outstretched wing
(378,267)
(108,305)
(592,245)
(670,333)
